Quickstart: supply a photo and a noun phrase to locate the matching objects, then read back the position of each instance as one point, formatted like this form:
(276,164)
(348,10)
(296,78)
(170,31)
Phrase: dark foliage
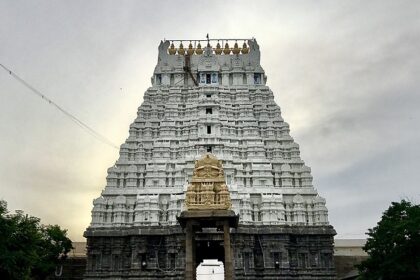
(29,250)
(393,245)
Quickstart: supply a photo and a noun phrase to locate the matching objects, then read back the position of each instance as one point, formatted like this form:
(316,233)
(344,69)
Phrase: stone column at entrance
(228,252)
(189,252)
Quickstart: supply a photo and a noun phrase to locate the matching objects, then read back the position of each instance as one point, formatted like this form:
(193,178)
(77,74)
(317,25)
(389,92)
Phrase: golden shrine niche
(208,190)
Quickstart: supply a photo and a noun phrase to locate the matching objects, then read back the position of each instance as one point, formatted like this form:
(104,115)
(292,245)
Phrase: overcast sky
(345,73)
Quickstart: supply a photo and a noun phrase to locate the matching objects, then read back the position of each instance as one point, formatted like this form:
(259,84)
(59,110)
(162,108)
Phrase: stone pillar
(189,252)
(228,252)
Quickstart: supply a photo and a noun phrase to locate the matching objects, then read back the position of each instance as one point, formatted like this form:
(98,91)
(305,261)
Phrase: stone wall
(345,265)
(74,267)
(156,253)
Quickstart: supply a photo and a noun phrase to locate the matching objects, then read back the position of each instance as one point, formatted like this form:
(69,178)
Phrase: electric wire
(76,120)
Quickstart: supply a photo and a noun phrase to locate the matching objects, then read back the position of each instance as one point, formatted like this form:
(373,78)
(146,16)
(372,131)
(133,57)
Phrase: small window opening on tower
(209,129)
(214,78)
(208,95)
(172,79)
(209,111)
(276,259)
(158,79)
(257,78)
(202,78)
(208,78)
(209,149)
(172,260)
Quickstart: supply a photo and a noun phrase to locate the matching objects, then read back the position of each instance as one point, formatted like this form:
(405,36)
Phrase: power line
(77,121)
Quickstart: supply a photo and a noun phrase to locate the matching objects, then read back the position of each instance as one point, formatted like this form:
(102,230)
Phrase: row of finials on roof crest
(198,50)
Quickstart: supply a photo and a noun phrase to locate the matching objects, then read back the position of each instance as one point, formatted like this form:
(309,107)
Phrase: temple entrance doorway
(212,249)
(210,257)
(210,270)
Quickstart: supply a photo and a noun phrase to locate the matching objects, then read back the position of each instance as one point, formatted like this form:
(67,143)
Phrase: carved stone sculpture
(208,189)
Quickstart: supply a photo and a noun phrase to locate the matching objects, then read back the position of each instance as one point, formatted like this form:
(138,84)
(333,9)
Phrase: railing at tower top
(208,40)
(222,47)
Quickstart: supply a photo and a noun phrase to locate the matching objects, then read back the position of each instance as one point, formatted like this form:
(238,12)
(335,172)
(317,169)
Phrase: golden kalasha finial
(236,49)
(181,50)
(218,49)
(190,50)
(172,49)
(226,50)
(199,50)
(245,49)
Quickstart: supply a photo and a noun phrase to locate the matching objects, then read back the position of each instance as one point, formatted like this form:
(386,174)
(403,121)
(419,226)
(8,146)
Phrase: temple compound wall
(215,100)
(282,253)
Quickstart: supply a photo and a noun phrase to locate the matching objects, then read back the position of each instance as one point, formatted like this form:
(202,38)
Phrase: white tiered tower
(213,100)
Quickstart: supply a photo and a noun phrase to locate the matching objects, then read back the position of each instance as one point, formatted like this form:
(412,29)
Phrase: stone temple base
(259,252)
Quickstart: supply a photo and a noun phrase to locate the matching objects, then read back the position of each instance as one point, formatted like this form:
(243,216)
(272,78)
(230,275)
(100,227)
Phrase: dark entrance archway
(209,250)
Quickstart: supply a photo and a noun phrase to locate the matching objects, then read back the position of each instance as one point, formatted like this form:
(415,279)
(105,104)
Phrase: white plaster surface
(268,181)
(210,270)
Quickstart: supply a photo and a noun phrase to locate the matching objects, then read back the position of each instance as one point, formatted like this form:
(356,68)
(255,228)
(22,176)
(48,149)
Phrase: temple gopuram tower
(209,113)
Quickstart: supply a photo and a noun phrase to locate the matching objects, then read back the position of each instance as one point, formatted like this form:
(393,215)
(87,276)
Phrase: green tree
(393,245)
(28,249)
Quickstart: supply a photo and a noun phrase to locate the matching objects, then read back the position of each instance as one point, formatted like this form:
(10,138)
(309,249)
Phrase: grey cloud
(369,186)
